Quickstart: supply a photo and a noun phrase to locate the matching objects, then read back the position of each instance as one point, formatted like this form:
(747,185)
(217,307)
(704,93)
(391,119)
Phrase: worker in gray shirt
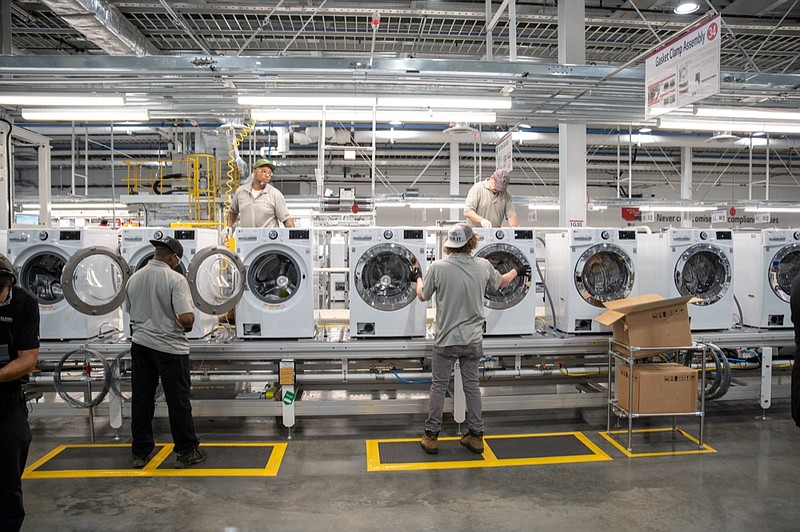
(458,281)
(489,203)
(161,311)
(258,204)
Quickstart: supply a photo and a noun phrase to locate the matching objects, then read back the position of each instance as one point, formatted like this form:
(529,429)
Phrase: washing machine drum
(604,272)
(505,258)
(703,271)
(784,267)
(382,277)
(274,277)
(41,276)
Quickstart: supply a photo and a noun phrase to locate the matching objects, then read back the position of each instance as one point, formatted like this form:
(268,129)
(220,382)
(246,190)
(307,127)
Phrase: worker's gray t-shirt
(265,210)
(157,295)
(493,207)
(459,282)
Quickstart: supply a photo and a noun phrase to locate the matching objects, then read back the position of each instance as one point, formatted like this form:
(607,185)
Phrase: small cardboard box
(658,389)
(648,321)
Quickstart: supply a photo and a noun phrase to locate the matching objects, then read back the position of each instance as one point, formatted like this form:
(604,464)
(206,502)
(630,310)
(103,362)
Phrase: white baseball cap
(458,236)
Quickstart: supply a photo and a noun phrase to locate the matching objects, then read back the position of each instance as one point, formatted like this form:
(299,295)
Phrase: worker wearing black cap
(257,204)
(19,352)
(161,312)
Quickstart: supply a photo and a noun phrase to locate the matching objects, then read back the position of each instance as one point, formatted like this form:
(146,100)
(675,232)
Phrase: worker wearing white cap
(458,281)
(489,203)
(257,204)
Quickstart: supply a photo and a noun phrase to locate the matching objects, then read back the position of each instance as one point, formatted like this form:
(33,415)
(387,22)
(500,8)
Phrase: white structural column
(686,183)
(571,137)
(455,156)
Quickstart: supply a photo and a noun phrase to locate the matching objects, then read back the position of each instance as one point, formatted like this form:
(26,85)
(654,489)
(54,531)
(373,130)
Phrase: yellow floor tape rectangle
(453,456)
(705,449)
(40,469)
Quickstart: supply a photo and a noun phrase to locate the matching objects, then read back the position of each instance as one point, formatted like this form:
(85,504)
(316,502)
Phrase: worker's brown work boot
(429,444)
(473,442)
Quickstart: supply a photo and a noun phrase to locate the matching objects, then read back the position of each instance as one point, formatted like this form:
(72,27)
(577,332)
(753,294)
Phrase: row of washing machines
(79,275)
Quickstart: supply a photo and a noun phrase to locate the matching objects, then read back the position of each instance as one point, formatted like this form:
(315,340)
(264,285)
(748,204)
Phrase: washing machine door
(216,279)
(604,272)
(504,258)
(94,279)
(382,277)
(40,274)
(785,265)
(703,271)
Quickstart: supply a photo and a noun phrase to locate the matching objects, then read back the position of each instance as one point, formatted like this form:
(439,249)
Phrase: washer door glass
(274,277)
(505,258)
(94,280)
(216,279)
(382,277)
(604,272)
(41,276)
(703,271)
(784,267)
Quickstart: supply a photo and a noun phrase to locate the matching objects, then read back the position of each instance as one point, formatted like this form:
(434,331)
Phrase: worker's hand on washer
(486,223)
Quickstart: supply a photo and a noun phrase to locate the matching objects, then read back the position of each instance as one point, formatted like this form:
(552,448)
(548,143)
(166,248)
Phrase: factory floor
(749,484)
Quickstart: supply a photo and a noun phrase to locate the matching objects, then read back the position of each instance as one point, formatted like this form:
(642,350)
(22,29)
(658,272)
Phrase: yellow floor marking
(706,449)
(152,468)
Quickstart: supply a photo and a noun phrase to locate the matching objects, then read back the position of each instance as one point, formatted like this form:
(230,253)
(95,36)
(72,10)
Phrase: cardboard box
(658,389)
(649,321)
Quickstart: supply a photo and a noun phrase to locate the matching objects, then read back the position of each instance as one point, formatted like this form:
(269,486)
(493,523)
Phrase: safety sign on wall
(683,70)
(504,154)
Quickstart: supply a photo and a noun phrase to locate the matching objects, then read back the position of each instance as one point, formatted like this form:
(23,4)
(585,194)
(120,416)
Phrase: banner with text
(683,70)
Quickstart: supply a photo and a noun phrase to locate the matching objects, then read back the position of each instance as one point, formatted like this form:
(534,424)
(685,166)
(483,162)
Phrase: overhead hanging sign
(683,70)
(504,153)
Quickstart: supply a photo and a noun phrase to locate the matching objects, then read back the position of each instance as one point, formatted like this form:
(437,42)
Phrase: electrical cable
(544,285)
(86,369)
(115,374)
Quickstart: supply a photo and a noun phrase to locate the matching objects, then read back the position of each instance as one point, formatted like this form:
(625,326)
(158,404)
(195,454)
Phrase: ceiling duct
(104,25)
(460,128)
(721,137)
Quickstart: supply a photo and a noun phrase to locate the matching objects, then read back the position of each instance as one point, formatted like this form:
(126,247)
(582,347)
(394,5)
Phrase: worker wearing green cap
(257,204)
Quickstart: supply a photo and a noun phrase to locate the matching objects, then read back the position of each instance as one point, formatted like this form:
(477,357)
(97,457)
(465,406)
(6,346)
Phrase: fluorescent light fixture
(310,100)
(772,209)
(76,205)
(406,102)
(437,205)
(645,130)
(595,207)
(315,115)
(749,114)
(686,8)
(62,100)
(728,125)
(391,204)
(120,114)
(678,208)
(444,102)
(543,206)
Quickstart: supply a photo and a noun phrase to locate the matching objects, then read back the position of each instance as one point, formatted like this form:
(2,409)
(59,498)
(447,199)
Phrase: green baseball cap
(264,162)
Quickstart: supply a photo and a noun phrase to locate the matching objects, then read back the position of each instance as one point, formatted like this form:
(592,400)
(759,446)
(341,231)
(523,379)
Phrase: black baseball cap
(169,243)
(6,268)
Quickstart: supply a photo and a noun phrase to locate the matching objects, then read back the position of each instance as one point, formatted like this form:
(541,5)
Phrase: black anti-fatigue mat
(92,458)
(538,446)
(228,457)
(403,452)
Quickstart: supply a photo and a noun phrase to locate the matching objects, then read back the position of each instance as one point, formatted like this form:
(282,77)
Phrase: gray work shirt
(493,207)
(265,210)
(157,295)
(459,282)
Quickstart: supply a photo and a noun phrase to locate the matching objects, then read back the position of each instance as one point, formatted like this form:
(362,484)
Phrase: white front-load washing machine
(278,301)
(585,267)
(511,309)
(692,262)
(137,251)
(762,282)
(383,299)
(76,276)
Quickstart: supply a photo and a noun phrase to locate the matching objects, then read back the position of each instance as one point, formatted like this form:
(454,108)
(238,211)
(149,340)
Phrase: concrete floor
(751,484)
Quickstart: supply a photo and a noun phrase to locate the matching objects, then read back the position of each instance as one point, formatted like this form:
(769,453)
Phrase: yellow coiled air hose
(231,173)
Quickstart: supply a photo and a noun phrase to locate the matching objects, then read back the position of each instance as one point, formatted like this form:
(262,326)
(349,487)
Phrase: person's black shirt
(19,328)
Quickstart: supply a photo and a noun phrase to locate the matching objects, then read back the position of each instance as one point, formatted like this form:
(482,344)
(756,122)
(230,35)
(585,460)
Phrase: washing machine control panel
(605,235)
(272,235)
(413,234)
(69,235)
(299,234)
(724,235)
(43,235)
(523,234)
(184,234)
(388,234)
